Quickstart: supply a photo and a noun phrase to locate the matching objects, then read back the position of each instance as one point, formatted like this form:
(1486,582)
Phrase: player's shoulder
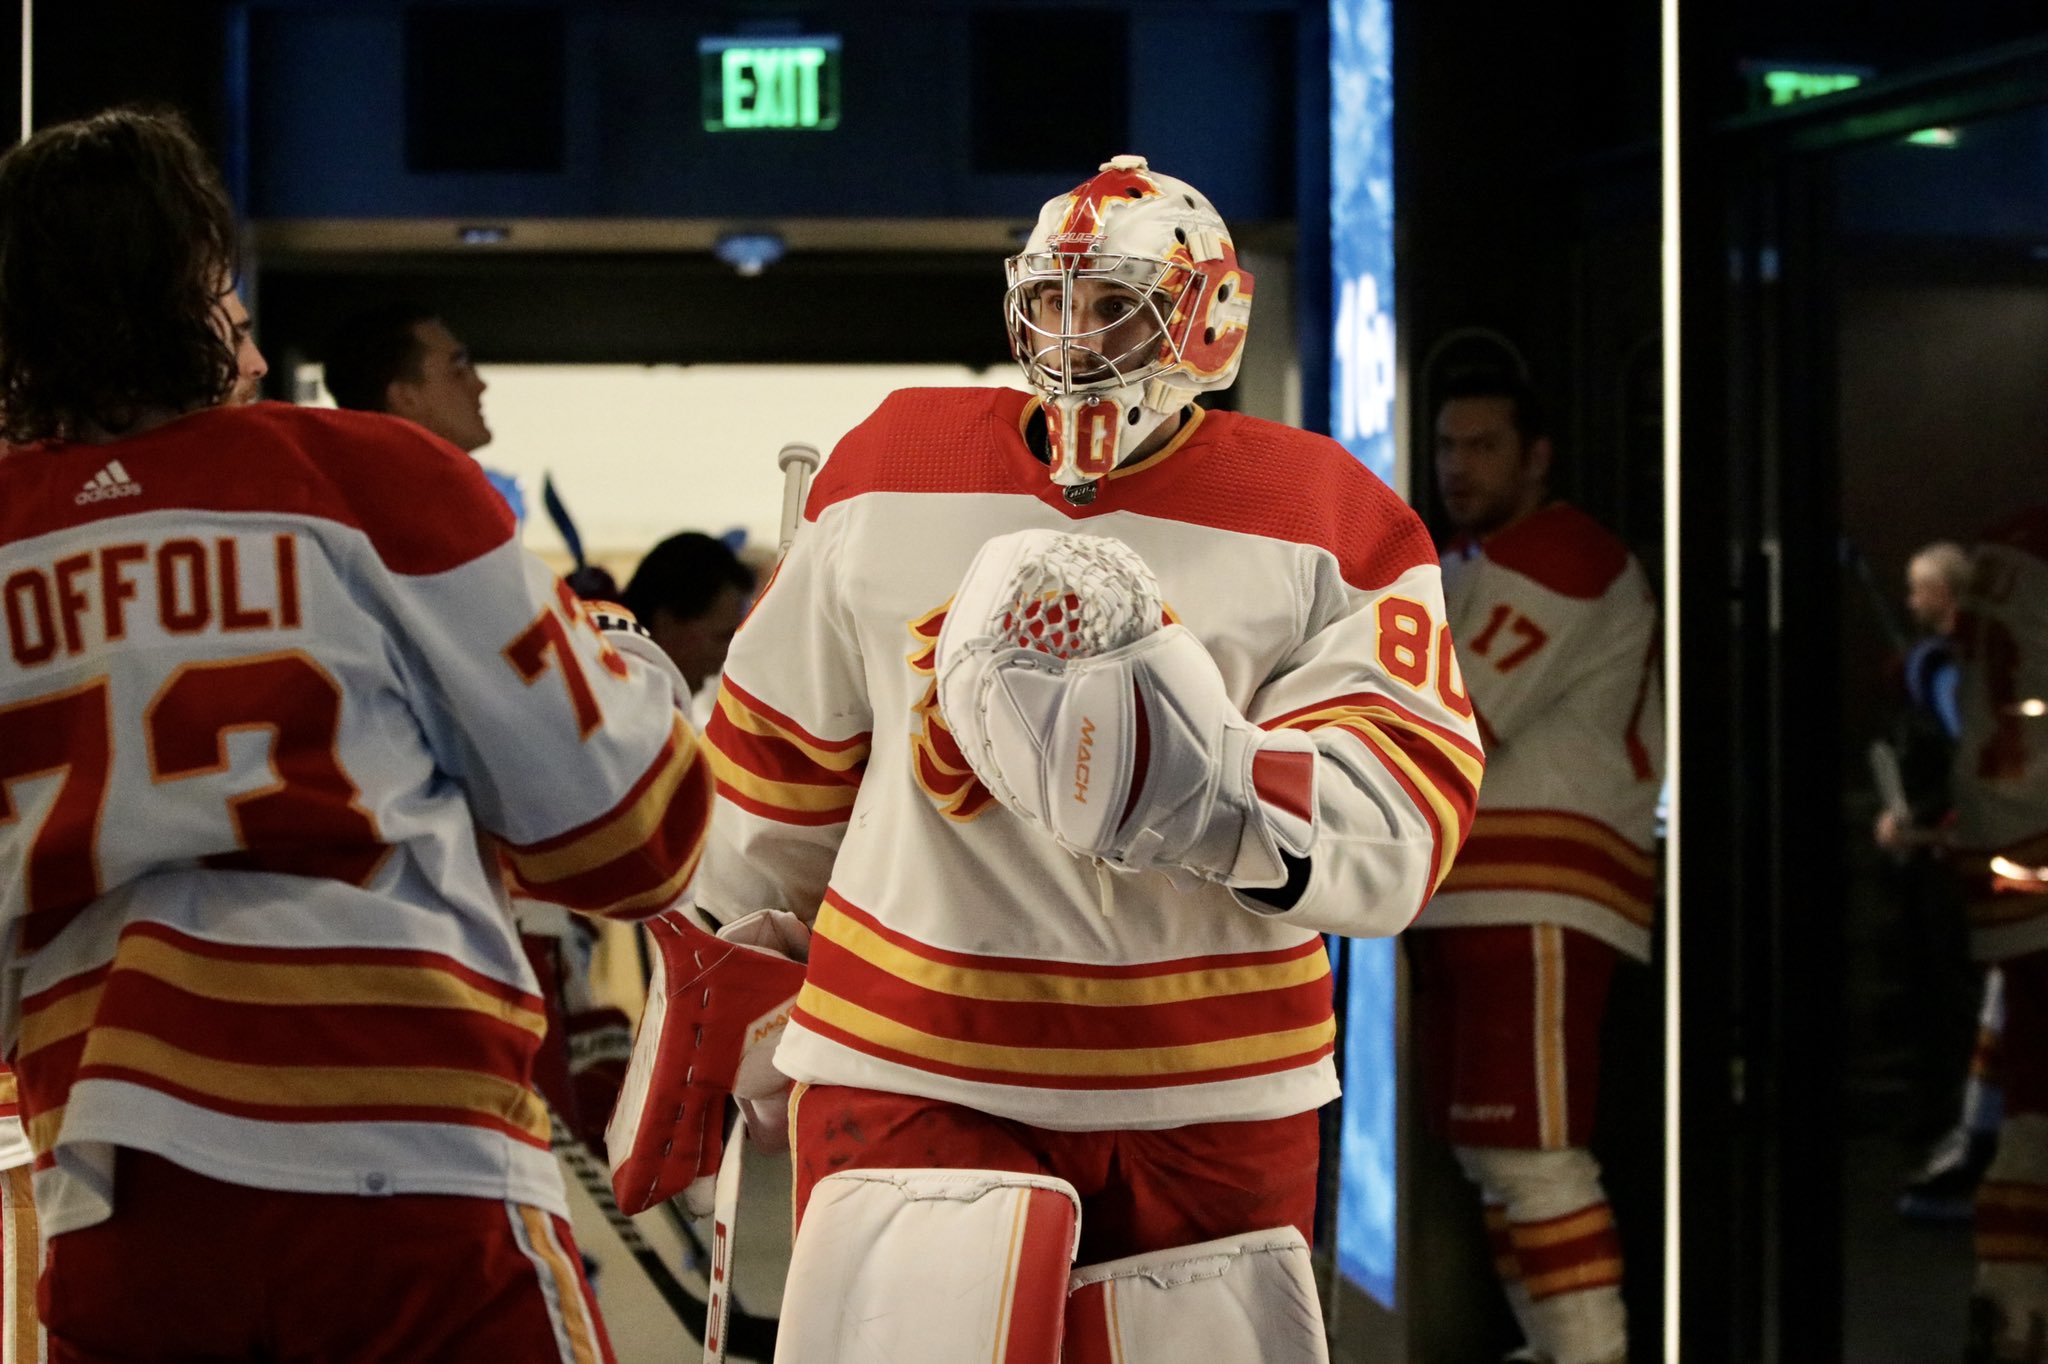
(1266,478)
(928,440)
(1561,548)
(425,506)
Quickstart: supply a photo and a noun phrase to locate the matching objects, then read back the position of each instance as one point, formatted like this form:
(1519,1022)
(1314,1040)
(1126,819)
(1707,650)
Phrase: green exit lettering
(774,87)
(1789,87)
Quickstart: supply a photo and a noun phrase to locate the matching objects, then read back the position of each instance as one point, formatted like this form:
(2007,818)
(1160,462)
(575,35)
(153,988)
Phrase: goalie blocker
(716,1006)
(1088,719)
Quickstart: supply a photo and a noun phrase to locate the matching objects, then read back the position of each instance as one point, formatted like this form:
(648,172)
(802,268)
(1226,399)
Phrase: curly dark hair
(116,243)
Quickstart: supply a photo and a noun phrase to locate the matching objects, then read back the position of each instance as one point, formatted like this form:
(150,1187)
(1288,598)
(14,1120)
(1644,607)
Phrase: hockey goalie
(1069,724)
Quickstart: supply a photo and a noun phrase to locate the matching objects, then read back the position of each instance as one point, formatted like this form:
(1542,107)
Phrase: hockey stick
(565,525)
(749,1335)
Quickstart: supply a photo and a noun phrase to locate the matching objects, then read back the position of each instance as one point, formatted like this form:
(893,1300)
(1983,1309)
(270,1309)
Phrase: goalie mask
(1126,301)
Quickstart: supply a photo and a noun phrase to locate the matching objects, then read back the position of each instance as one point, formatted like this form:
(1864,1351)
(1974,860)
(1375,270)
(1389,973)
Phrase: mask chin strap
(1094,433)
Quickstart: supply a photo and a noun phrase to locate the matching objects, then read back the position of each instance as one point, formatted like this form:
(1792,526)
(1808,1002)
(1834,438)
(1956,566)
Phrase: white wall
(639,452)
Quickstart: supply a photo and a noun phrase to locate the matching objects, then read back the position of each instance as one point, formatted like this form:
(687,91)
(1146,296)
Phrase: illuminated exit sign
(1777,86)
(774,83)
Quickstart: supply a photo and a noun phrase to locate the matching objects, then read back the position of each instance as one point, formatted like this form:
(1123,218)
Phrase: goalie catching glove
(1085,717)
(716,1007)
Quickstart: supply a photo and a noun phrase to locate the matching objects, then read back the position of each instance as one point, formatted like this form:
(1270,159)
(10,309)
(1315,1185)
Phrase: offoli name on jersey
(193,584)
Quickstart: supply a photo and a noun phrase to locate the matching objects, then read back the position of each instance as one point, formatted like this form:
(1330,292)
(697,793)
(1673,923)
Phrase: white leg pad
(929,1267)
(1250,1299)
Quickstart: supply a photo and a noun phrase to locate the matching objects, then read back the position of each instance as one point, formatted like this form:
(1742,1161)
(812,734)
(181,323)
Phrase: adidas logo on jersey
(111,481)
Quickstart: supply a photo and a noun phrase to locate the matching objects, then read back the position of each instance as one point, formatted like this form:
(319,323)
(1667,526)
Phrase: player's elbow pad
(1136,756)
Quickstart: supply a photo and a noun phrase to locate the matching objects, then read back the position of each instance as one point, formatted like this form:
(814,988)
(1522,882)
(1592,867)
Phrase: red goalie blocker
(715,1009)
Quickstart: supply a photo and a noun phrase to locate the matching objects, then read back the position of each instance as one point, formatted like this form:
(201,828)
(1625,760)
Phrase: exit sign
(775,83)
(1775,85)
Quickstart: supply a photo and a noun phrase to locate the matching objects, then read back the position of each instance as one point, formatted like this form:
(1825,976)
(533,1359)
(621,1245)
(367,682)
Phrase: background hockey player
(2001,841)
(402,359)
(690,592)
(1557,628)
(266,672)
(1091,983)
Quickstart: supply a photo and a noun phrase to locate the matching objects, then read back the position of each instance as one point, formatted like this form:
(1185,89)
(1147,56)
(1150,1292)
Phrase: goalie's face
(1091,323)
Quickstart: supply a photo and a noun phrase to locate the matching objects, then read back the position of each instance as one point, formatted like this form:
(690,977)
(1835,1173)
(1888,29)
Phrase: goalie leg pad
(1249,1298)
(930,1267)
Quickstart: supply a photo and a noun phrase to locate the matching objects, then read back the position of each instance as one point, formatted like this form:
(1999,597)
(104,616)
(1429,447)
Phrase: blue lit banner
(1362,230)
(1362,417)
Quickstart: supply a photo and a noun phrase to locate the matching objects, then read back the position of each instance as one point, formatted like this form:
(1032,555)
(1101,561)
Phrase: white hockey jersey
(963,955)
(1558,632)
(2001,762)
(266,673)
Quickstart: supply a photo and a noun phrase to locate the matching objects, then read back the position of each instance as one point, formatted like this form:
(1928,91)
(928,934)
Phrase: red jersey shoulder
(1262,477)
(423,504)
(1561,548)
(929,440)
(2027,532)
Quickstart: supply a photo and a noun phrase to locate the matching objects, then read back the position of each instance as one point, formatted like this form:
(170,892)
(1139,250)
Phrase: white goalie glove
(1084,716)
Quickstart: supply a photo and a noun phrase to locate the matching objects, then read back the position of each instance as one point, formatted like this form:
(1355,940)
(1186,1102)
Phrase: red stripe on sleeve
(1286,781)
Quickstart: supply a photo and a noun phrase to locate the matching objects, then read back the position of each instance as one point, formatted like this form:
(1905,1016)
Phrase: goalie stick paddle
(747,1334)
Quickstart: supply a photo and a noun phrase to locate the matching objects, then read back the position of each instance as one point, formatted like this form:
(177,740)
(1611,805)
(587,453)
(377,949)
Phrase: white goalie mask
(1125,302)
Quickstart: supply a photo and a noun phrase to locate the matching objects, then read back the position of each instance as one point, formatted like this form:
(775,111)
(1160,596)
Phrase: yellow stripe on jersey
(1060,1061)
(1471,768)
(659,897)
(625,832)
(317,1087)
(753,722)
(1032,987)
(250,982)
(42,1129)
(52,1023)
(786,794)
(1574,828)
(1446,813)
(1541,876)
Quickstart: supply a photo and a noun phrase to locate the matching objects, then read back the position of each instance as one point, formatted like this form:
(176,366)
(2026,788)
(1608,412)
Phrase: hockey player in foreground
(267,671)
(1066,727)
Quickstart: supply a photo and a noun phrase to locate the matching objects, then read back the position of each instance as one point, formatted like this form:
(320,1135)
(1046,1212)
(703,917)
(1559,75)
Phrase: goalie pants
(191,1268)
(1141,1190)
